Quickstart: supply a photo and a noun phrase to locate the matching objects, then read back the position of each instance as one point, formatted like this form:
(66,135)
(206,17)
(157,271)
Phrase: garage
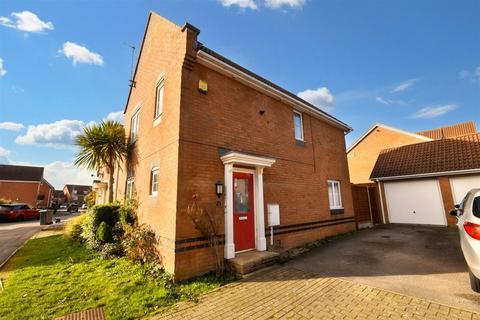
(462,185)
(415,202)
(420,183)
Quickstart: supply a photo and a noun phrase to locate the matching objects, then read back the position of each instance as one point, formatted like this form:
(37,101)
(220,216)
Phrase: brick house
(363,153)
(421,183)
(76,193)
(384,152)
(25,184)
(58,197)
(200,120)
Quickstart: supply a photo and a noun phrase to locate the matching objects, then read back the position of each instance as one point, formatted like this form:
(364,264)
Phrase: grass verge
(51,276)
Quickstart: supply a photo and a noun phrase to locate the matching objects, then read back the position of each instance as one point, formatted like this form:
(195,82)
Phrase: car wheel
(474,282)
(20,217)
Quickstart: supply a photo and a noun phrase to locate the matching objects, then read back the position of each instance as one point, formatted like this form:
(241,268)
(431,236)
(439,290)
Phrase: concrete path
(287,293)
(424,262)
(14,234)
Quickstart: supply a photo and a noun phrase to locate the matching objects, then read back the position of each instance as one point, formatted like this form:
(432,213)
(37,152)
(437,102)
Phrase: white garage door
(461,186)
(416,202)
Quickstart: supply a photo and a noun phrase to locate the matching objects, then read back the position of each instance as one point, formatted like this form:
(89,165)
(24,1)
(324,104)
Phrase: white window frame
(152,182)
(295,113)
(129,190)
(158,99)
(134,125)
(337,202)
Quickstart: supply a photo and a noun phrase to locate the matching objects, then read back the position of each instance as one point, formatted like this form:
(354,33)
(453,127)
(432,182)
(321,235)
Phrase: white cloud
(275,4)
(26,21)
(11,126)
(59,134)
(244,4)
(2,69)
(404,85)
(472,75)
(115,116)
(4,152)
(59,173)
(434,111)
(320,97)
(387,101)
(4,155)
(80,54)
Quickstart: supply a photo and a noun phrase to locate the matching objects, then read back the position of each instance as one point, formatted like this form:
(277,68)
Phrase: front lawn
(51,276)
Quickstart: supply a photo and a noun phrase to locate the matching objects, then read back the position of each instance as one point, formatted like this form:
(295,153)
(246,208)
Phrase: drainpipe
(369,203)
(381,200)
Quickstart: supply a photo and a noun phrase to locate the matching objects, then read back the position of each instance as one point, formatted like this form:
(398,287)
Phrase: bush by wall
(107,224)
(74,228)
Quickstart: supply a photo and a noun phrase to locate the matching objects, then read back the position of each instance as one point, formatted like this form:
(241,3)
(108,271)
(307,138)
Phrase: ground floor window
(334,195)
(130,188)
(154,181)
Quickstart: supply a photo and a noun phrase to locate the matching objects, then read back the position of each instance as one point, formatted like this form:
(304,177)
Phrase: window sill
(300,143)
(157,120)
(334,211)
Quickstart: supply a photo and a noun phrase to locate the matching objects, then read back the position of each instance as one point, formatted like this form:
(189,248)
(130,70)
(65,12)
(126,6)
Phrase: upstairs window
(298,125)
(334,195)
(134,126)
(159,99)
(154,182)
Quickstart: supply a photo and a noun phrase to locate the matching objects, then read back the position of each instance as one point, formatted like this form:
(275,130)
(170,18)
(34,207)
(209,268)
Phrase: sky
(410,64)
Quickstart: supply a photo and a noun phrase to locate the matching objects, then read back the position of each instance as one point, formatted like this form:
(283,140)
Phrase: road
(14,234)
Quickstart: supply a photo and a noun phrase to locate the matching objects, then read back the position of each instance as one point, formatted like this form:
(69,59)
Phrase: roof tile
(461,153)
(456,130)
(20,173)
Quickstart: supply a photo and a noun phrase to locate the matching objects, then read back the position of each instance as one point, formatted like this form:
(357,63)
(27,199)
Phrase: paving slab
(288,293)
(421,261)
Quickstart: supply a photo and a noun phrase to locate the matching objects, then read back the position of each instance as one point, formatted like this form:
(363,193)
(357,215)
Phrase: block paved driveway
(390,272)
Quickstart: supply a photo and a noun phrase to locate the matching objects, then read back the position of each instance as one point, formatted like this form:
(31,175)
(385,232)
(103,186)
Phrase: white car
(468,215)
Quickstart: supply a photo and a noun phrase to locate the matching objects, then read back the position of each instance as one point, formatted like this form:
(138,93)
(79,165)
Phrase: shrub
(74,228)
(111,250)
(105,228)
(128,216)
(104,233)
(100,225)
(140,245)
(5,201)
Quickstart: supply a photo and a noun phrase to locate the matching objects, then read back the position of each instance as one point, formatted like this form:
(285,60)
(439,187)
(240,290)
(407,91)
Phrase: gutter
(216,64)
(426,175)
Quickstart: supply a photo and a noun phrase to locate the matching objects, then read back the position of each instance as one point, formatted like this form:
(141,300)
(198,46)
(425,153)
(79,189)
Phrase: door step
(250,261)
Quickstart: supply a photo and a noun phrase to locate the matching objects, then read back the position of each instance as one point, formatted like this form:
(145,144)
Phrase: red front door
(243,215)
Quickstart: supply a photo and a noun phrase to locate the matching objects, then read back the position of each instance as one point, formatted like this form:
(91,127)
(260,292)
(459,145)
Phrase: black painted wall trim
(306,226)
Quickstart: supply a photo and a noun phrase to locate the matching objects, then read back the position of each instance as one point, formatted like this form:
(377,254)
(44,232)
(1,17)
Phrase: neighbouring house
(59,197)
(202,123)
(365,151)
(75,193)
(421,183)
(100,186)
(25,184)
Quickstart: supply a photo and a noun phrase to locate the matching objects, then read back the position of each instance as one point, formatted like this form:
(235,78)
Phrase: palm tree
(102,145)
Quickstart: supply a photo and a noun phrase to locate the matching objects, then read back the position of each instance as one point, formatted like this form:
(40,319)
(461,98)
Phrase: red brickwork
(187,141)
(22,192)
